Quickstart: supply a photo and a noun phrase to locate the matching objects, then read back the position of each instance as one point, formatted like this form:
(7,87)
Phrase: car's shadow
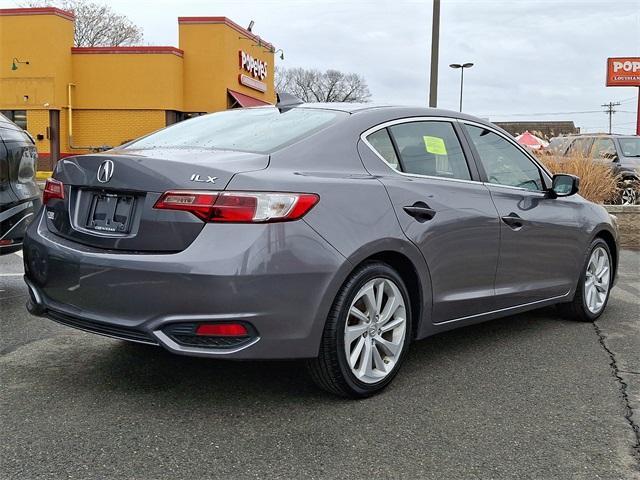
(134,369)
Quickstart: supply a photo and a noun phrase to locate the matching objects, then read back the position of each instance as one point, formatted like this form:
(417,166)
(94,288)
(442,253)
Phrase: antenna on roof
(286,101)
(251,24)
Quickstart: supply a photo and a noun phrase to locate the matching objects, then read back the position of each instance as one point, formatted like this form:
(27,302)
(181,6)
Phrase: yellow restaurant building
(75,100)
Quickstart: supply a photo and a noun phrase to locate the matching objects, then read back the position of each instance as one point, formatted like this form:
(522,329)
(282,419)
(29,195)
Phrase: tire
(332,370)
(579,309)
(628,194)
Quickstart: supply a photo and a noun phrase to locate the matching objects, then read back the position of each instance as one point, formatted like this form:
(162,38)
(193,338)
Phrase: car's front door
(443,208)
(540,239)
(603,151)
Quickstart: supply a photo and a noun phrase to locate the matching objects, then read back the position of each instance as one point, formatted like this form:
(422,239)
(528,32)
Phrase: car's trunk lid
(109,197)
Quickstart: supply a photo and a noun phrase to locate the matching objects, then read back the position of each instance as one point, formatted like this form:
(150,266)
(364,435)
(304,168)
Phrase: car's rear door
(442,208)
(541,241)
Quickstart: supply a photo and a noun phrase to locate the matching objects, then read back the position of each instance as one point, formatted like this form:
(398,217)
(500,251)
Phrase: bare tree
(315,86)
(97,25)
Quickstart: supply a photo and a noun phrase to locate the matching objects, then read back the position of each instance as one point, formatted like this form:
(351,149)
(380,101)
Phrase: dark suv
(19,193)
(620,152)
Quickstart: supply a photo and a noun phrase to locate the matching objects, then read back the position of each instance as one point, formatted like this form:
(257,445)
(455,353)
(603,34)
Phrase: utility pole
(435,44)
(638,115)
(610,111)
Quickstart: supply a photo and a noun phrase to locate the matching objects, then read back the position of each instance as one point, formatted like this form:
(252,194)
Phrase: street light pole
(461,66)
(435,43)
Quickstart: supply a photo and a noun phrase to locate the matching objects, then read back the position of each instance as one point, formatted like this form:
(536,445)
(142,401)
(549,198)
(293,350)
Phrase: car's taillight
(52,189)
(239,207)
(221,330)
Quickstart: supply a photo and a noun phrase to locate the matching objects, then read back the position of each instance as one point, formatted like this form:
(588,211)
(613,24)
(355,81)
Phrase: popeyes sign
(623,72)
(256,68)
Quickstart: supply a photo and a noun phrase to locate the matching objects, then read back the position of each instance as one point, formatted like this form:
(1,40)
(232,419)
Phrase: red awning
(245,100)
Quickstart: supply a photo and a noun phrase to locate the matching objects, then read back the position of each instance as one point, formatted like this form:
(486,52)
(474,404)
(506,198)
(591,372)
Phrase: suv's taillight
(52,189)
(239,207)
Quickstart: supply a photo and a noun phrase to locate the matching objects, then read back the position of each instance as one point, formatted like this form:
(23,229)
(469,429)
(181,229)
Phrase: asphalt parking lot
(530,396)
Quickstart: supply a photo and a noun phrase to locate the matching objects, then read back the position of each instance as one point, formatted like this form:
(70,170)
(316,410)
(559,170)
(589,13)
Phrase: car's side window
(430,148)
(503,162)
(603,149)
(381,142)
(579,147)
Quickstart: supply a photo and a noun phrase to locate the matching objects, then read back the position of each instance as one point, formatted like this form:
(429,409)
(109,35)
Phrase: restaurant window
(19,117)
(174,116)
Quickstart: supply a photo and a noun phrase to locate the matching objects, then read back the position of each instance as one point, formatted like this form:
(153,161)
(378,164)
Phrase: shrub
(598,183)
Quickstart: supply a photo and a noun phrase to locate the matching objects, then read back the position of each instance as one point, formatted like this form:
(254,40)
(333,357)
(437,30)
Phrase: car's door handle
(514,221)
(420,211)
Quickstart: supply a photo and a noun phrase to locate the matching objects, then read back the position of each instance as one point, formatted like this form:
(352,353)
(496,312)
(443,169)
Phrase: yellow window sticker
(435,145)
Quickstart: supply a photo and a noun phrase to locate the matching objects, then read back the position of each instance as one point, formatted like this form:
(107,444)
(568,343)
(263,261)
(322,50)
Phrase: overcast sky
(531,56)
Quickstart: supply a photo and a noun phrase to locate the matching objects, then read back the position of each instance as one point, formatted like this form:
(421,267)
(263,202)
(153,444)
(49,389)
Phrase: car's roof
(342,106)
(395,110)
(600,135)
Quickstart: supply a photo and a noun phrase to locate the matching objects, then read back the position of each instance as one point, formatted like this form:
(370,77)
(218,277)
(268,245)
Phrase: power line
(610,111)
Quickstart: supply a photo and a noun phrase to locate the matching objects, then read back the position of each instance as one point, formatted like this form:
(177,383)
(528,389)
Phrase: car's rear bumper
(13,247)
(279,279)
(14,222)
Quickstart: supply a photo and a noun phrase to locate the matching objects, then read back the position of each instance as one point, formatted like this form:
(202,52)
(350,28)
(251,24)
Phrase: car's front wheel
(628,192)
(367,333)
(592,292)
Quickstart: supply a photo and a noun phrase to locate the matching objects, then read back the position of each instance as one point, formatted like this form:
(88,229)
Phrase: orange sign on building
(623,72)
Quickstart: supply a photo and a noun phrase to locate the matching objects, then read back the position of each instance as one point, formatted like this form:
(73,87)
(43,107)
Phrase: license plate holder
(110,213)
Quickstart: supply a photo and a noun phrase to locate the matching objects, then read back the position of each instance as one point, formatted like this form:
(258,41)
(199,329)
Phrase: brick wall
(113,127)
(37,123)
(92,128)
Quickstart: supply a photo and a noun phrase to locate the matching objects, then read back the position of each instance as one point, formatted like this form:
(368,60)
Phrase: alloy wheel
(597,279)
(628,196)
(375,330)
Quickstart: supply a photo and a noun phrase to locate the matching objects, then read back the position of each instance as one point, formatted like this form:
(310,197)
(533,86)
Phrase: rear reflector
(5,242)
(239,207)
(52,189)
(221,330)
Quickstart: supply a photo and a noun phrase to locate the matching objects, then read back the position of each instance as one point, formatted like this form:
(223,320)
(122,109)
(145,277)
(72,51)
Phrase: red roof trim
(227,22)
(37,11)
(134,50)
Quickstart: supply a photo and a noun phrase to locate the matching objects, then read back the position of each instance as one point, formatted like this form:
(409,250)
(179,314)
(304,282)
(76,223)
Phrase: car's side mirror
(564,185)
(610,156)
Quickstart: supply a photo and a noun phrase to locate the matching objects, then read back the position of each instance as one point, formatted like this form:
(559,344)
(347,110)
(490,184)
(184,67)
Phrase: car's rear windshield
(260,130)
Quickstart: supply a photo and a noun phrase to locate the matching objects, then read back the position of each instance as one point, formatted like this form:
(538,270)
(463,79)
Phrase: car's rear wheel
(594,286)
(367,333)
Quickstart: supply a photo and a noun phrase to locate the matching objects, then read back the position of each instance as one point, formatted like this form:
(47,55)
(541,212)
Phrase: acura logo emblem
(105,171)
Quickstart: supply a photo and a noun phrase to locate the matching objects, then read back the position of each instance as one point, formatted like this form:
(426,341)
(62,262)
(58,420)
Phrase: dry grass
(598,183)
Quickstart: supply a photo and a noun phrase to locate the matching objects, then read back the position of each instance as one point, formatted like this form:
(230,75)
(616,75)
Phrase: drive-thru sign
(625,72)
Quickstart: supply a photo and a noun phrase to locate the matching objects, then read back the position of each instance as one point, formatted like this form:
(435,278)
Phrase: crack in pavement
(622,385)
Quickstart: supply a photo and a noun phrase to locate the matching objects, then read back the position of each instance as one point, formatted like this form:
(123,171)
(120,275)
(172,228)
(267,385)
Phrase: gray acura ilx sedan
(333,233)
